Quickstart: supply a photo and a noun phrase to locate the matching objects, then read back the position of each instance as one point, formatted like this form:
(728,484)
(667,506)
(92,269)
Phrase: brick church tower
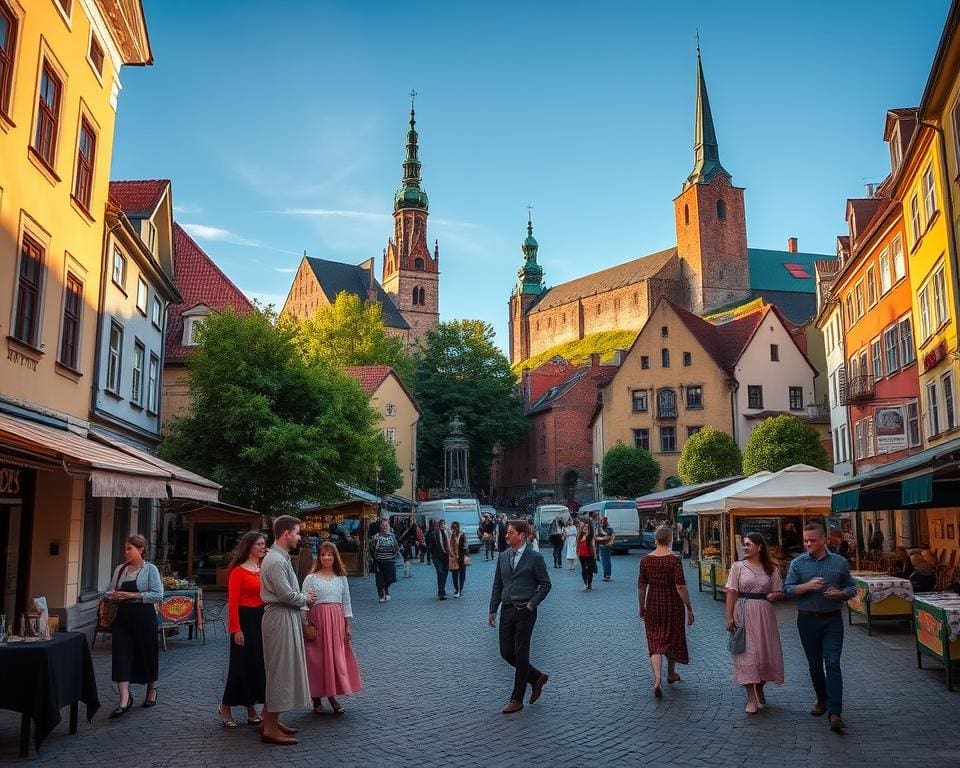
(711,222)
(411,276)
(529,287)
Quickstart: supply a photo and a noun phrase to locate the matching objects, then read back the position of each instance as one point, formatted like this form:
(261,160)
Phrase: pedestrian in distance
(663,596)
(487,528)
(332,667)
(135,587)
(384,549)
(284,658)
(556,541)
(440,552)
(246,679)
(520,584)
(425,548)
(586,552)
(458,558)
(532,538)
(501,533)
(605,539)
(820,582)
(753,584)
(570,543)
(408,546)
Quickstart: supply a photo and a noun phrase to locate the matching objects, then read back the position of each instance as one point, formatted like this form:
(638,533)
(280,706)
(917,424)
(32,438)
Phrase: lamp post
(533,481)
(413,481)
(596,482)
(376,487)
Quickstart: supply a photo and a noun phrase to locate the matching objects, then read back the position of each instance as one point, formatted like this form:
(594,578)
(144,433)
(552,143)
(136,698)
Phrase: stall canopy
(798,487)
(656,501)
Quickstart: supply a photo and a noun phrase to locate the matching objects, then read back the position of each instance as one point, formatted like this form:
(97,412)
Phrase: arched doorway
(571,484)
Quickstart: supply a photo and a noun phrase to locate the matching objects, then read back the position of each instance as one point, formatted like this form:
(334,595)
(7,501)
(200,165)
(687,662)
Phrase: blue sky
(284,131)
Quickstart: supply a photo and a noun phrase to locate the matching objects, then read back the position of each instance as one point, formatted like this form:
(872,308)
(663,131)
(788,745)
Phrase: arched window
(419,297)
(721,209)
(666,403)
(416,296)
(418,264)
(686,214)
(423,297)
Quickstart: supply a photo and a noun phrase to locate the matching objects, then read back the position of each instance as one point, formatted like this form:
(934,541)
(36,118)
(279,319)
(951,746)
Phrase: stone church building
(711,267)
(409,291)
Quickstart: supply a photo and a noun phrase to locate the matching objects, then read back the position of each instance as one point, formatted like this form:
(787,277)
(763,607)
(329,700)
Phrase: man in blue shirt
(820,582)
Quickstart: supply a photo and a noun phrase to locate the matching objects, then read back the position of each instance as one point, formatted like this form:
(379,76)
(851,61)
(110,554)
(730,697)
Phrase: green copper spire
(530,275)
(411,195)
(706,151)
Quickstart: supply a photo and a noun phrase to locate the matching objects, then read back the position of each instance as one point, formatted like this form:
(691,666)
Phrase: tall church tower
(711,221)
(411,275)
(529,286)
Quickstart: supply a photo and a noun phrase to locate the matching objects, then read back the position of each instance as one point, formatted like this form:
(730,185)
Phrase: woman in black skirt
(135,586)
(246,680)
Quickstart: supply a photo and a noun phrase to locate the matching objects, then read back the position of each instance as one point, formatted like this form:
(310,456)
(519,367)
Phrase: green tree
(709,455)
(628,471)
(351,332)
(781,441)
(459,371)
(270,427)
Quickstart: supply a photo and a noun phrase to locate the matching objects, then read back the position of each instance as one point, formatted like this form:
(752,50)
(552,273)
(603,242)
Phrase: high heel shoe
(120,711)
(227,722)
(657,691)
(147,703)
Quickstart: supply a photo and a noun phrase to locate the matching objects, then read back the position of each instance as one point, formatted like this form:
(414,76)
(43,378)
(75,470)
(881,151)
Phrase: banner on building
(891,427)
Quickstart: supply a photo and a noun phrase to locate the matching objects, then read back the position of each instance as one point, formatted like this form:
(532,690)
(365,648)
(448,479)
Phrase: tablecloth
(881,587)
(949,603)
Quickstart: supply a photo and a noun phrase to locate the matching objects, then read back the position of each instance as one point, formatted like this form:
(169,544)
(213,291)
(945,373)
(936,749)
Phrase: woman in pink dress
(331,666)
(753,585)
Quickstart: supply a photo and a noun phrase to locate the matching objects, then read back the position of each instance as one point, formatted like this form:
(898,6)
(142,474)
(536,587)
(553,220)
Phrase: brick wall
(305,296)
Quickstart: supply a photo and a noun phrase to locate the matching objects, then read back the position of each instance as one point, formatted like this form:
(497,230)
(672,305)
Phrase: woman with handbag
(246,678)
(752,586)
(332,668)
(587,553)
(135,587)
(459,558)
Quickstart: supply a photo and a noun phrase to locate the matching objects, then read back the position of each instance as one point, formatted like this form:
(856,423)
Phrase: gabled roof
(605,280)
(826,267)
(371,377)
(199,281)
(724,342)
(554,395)
(335,277)
(140,198)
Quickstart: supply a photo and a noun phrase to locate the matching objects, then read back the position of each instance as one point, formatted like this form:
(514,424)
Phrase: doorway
(16,534)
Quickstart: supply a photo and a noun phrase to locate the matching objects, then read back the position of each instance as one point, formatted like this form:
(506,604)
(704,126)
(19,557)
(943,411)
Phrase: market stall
(880,598)
(347,524)
(775,504)
(936,621)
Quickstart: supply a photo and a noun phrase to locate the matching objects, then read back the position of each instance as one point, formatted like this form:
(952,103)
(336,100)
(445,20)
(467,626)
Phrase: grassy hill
(579,351)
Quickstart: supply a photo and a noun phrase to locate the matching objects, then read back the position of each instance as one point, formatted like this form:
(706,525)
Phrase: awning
(655,501)
(845,501)
(917,490)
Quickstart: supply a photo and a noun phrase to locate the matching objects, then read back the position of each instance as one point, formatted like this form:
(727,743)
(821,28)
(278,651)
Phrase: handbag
(106,613)
(309,633)
(737,640)
(467,560)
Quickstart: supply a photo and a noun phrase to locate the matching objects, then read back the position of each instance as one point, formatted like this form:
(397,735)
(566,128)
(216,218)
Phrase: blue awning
(917,490)
(845,501)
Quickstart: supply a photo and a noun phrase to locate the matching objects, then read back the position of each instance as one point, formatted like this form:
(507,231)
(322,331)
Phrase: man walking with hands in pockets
(519,586)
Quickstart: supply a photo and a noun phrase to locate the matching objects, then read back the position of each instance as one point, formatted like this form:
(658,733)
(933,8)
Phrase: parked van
(543,518)
(463,511)
(624,519)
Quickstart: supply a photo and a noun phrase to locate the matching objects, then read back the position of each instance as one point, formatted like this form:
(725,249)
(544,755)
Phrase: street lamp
(413,481)
(533,480)
(596,482)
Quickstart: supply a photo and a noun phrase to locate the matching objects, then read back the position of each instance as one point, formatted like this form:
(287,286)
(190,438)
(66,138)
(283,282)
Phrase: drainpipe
(734,386)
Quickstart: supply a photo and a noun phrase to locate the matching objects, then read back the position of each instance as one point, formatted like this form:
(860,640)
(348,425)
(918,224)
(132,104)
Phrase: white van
(543,519)
(463,511)
(623,518)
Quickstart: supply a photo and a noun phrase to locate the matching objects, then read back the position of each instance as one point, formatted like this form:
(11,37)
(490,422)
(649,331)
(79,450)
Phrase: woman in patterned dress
(663,596)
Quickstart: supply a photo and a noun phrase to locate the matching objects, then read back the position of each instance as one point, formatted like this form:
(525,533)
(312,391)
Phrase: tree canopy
(459,371)
(629,472)
(271,427)
(781,441)
(709,455)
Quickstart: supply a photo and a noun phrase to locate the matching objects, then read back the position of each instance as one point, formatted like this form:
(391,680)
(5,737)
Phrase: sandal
(254,720)
(337,708)
(319,710)
(228,722)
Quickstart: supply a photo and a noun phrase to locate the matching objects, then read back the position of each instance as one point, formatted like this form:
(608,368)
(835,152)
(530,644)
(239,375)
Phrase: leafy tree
(709,455)
(781,441)
(351,332)
(270,427)
(628,471)
(459,371)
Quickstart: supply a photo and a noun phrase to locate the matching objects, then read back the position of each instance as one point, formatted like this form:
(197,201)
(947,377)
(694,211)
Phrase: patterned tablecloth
(881,587)
(949,603)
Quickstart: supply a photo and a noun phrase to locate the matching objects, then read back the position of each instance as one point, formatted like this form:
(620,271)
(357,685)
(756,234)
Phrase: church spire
(530,275)
(411,195)
(706,150)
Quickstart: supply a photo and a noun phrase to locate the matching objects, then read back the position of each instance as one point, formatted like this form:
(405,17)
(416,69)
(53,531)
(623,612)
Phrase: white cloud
(182,208)
(333,214)
(206,232)
(285,269)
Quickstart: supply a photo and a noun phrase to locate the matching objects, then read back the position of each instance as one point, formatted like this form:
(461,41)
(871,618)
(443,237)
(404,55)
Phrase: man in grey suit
(519,586)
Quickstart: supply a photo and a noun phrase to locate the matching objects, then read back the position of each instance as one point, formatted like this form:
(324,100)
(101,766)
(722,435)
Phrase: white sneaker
(388,597)
(456,594)
(383,600)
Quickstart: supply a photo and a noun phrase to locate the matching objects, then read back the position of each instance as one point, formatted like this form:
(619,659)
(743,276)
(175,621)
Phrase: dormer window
(896,156)
(190,327)
(149,234)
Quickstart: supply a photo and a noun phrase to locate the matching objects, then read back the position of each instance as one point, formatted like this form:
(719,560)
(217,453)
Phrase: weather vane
(413,96)
(529,213)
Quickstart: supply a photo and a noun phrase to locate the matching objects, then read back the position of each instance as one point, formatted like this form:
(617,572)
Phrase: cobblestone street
(434,686)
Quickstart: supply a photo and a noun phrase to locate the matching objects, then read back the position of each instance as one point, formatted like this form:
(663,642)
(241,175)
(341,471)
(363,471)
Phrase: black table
(40,678)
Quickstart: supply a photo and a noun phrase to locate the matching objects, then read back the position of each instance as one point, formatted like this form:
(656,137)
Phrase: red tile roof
(724,342)
(138,197)
(370,377)
(199,281)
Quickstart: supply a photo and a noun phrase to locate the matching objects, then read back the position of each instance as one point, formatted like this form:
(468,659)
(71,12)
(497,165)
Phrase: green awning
(845,501)
(916,490)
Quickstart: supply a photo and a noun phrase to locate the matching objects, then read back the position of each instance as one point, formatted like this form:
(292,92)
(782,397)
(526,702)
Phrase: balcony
(860,389)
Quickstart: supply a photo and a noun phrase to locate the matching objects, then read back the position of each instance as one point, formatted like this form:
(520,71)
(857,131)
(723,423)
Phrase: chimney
(792,244)
(594,362)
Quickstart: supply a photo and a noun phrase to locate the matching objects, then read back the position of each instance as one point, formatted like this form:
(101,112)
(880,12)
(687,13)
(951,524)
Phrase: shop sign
(178,609)
(9,481)
(934,356)
(891,426)
(929,630)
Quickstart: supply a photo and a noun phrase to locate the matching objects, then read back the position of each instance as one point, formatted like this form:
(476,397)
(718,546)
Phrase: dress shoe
(836,724)
(819,708)
(281,741)
(120,711)
(287,730)
(538,687)
(147,703)
(513,706)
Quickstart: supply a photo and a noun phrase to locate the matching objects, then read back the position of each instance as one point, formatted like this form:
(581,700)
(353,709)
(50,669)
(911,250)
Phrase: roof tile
(335,277)
(138,198)
(370,377)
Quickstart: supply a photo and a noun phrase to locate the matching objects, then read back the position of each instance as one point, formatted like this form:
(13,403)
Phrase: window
(868,436)
(687,359)
(119,268)
(891,343)
(933,408)
(775,353)
(668,439)
(691,431)
(83,183)
(913,423)
(948,410)
(136,378)
(923,302)
(796,398)
(854,367)
(929,193)
(665,358)
(142,296)
(157,317)
(145,517)
(695,397)
(70,336)
(644,362)
(907,352)
(148,233)
(858,296)
(871,286)
(686,214)
(92,513)
(721,210)
(113,358)
(153,381)
(390,433)
(884,263)
(26,324)
(96,54)
(940,297)
(845,441)
(664,331)
(192,325)
(641,439)
(899,266)
(639,398)
(754,396)
(834,392)
(850,316)
(915,217)
(666,403)
(8,38)
(390,409)
(418,264)
(876,359)
(858,438)
(48,115)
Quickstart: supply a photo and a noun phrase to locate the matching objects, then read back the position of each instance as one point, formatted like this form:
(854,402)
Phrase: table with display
(880,598)
(40,677)
(181,608)
(936,625)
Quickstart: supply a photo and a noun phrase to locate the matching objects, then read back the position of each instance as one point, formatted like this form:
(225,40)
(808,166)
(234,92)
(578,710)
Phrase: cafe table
(880,598)
(936,622)
(41,677)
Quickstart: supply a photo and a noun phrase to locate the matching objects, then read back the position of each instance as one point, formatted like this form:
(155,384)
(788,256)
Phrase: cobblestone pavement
(434,686)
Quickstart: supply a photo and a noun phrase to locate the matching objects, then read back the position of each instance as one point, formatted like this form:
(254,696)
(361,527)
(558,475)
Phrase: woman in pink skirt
(331,666)
(753,585)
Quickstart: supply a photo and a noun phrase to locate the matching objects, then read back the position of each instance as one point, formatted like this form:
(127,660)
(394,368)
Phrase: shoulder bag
(737,640)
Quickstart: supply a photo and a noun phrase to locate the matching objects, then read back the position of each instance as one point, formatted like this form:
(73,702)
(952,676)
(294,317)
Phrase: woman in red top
(246,680)
(585,551)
